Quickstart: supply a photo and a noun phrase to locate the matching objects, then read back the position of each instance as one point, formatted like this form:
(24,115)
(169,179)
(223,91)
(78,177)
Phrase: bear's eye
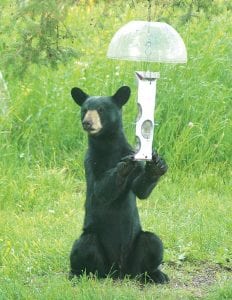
(84,111)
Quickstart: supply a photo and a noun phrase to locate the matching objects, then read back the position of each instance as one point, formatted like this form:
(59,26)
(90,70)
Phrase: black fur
(112,242)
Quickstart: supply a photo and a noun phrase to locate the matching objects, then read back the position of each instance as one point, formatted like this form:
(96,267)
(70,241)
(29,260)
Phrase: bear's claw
(157,166)
(126,165)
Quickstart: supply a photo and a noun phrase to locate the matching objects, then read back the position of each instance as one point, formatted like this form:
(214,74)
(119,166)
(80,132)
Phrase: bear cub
(112,242)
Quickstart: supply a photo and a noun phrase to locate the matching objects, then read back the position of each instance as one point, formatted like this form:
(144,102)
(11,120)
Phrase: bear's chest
(96,166)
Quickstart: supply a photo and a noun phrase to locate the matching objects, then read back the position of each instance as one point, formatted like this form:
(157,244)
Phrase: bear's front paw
(157,166)
(126,165)
(127,170)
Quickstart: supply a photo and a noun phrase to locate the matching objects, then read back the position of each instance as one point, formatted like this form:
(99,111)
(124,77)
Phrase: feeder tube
(145,119)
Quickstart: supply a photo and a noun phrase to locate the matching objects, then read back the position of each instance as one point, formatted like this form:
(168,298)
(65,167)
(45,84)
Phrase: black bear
(112,242)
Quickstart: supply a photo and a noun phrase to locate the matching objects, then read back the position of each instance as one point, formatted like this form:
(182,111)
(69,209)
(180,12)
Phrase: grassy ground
(41,164)
(35,245)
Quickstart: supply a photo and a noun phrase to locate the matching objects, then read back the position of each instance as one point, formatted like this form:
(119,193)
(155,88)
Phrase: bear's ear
(122,95)
(79,96)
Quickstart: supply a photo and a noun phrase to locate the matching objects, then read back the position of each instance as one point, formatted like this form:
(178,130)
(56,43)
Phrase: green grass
(42,180)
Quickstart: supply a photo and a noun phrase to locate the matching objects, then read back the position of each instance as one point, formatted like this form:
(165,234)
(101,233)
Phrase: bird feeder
(148,42)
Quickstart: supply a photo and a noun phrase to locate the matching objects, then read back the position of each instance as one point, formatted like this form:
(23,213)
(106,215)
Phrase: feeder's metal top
(148,41)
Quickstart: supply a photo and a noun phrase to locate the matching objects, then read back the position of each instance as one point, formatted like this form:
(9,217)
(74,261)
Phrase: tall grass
(193,102)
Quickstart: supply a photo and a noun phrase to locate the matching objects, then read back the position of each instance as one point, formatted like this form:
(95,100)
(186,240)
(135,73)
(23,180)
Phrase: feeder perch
(149,42)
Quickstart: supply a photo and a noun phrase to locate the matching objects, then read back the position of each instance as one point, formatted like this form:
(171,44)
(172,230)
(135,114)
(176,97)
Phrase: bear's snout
(87,125)
(92,122)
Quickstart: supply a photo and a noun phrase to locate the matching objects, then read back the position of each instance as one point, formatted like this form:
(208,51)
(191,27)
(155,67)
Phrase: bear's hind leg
(87,256)
(145,259)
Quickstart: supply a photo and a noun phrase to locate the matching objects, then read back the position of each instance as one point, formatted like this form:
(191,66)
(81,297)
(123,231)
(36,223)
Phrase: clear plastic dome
(148,41)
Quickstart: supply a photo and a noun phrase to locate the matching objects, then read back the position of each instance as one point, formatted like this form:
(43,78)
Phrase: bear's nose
(87,124)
